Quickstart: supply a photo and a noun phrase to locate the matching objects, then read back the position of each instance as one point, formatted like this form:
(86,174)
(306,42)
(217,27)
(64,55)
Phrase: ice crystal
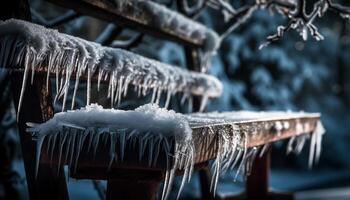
(159,16)
(36,48)
(151,127)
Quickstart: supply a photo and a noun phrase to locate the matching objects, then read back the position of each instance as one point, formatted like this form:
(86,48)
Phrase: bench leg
(37,107)
(132,189)
(205,178)
(257,184)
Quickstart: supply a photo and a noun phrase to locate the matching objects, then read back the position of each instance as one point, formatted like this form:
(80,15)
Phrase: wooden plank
(36,107)
(259,131)
(106,11)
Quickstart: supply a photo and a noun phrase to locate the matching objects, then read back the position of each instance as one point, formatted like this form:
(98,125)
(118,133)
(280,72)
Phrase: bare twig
(241,16)
(107,36)
(194,11)
(128,44)
(302,22)
(66,17)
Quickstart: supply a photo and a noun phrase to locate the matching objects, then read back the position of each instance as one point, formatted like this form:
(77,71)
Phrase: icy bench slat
(33,48)
(260,128)
(98,143)
(148,17)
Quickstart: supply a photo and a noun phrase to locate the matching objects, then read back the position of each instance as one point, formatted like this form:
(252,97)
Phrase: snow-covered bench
(151,18)
(151,144)
(209,132)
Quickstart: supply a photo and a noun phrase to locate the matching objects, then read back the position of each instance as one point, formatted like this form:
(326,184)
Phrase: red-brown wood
(257,183)
(132,189)
(37,108)
(105,10)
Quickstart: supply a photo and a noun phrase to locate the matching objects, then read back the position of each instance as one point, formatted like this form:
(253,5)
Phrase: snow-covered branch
(303,22)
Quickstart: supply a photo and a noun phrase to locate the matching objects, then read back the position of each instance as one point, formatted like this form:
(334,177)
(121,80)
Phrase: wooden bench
(126,178)
(132,174)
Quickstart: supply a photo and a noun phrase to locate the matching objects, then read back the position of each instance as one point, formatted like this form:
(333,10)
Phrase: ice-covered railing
(153,18)
(231,139)
(37,49)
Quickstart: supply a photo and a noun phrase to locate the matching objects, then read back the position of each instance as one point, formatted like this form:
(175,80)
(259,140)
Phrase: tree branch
(66,17)
(128,44)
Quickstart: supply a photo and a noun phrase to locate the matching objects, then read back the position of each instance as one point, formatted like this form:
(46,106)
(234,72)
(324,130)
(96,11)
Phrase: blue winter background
(288,75)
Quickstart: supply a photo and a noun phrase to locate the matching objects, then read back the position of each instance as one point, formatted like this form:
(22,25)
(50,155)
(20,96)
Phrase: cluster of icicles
(36,48)
(156,130)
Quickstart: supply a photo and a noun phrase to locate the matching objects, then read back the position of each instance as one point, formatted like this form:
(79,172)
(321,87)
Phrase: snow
(34,46)
(232,143)
(159,16)
(149,125)
(158,128)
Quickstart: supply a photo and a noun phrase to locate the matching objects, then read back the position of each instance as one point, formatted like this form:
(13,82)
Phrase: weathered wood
(132,189)
(204,180)
(258,132)
(37,108)
(106,11)
(257,183)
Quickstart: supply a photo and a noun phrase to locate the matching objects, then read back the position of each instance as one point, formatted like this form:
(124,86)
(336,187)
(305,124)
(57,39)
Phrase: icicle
(312,149)
(77,77)
(319,131)
(39,145)
(159,94)
(61,148)
(66,87)
(52,147)
(154,95)
(122,144)
(290,146)
(88,93)
(244,155)
(150,151)
(183,98)
(168,96)
(120,85)
(24,83)
(66,54)
(112,89)
(190,104)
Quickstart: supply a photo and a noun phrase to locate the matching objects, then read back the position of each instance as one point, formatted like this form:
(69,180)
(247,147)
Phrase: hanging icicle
(39,49)
(234,148)
(155,131)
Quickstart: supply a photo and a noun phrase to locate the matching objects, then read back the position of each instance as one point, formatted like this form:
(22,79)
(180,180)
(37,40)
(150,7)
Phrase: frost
(161,17)
(233,150)
(36,47)
(156,129)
